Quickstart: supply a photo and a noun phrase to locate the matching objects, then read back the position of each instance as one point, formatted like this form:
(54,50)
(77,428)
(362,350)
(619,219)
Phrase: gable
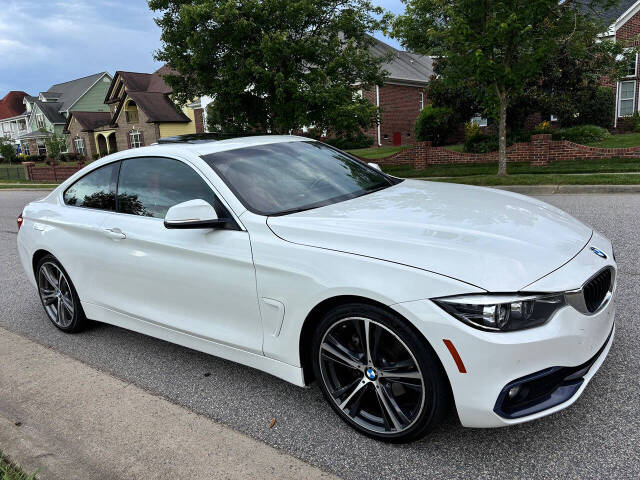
(93,99)
(68,93)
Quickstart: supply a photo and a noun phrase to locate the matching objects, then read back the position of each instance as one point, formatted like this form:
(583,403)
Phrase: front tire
(380,376)
(58,296)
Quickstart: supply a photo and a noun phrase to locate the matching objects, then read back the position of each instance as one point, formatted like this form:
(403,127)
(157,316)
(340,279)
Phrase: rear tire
(378,374)
(58,296)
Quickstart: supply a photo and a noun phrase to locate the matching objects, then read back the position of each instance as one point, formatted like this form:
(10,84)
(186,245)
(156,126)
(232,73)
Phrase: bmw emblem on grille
(371,373)
(598,252)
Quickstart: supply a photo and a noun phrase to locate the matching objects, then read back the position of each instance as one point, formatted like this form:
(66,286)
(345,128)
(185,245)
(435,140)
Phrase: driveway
(598,437)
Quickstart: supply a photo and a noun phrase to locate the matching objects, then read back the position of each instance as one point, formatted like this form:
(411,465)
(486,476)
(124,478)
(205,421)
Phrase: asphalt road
(598,437)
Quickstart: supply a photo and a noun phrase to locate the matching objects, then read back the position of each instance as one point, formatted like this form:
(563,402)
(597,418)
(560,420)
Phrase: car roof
(201,147)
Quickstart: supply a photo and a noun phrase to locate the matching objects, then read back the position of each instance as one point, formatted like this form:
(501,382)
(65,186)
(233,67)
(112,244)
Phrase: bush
(481,144)
(472,130)
(582,134)
(544,127)
(435,124)
(7,151)
(591,106)
(348,142)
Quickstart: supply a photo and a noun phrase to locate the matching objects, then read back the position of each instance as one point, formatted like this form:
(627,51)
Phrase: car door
(86,204)
(200,282)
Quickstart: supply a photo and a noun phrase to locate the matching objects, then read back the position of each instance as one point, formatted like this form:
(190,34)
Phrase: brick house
(140,111)
(623,23)
(48,112)
(401,97)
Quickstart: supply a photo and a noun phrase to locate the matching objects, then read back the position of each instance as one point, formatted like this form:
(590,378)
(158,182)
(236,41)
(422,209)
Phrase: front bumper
(572,346)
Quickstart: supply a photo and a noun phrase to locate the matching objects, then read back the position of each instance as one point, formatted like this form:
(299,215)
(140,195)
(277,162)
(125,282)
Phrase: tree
(273,65)
(7,150)
(500,47)
(56,144)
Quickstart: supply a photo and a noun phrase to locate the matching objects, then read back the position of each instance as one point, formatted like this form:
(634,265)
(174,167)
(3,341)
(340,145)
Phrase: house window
(626,102)
(79,146)
(134,139)
(25,148)
(421,100)
(131,112)
(632,67)
(42,147)
(39,120)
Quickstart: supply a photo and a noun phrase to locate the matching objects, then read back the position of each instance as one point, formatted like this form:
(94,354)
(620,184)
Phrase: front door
(397,138)
(200,282)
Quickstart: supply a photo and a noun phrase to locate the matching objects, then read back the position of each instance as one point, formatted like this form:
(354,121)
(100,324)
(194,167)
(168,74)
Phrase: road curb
(69,420)
(569,189)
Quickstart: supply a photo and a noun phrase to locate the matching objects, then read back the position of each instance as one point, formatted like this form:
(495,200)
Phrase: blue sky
(43,42)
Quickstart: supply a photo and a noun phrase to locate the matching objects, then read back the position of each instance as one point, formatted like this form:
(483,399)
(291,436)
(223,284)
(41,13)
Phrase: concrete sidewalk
(72,421)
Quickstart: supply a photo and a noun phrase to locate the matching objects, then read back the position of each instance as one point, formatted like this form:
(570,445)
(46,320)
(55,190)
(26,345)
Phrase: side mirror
(193,214)
(374,165)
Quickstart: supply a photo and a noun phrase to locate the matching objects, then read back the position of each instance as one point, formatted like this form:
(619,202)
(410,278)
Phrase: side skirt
(273,367)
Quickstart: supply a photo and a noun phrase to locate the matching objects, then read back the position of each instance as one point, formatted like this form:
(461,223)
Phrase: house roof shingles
(151,94)
(12,104)
(609,16)
(404,66)
(91,120)
(158,107)
(52,110)
(68,93)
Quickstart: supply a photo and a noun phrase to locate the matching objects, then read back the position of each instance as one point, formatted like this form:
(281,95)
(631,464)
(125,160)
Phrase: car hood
(496,240)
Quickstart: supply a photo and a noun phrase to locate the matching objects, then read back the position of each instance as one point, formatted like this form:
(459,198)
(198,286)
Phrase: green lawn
(614,165)
(374,153)
(622,140)
(8,471)
(455,148)
(546,179)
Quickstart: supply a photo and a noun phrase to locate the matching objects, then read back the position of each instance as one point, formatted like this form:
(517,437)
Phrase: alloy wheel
(56,294)
(371,375)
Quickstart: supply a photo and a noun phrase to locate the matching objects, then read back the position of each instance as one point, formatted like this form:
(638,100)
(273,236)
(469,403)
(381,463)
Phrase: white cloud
(45,43)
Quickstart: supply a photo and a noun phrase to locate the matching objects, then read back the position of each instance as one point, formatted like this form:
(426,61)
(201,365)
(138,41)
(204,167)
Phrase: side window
(95,190)
(150,186)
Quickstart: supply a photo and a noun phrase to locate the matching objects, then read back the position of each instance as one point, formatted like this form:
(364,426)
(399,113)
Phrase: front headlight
(503,312)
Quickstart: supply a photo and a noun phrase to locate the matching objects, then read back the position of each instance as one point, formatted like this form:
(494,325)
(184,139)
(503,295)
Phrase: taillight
(20,220)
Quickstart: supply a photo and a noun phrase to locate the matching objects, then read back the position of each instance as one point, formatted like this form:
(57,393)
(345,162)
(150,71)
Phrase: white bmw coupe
(400,297)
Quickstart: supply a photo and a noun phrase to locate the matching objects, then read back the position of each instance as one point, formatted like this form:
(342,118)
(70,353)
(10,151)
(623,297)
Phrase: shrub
(544,127)
(348,142)
(7,151)
(435,124)
(472,130)
(583,134)
(481,144)
(591,106)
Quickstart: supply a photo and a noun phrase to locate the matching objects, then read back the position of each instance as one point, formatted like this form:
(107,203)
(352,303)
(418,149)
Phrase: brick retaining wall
(539,152)
(49,174)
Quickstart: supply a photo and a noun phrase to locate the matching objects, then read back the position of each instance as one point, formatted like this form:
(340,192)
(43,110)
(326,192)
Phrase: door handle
(115,233)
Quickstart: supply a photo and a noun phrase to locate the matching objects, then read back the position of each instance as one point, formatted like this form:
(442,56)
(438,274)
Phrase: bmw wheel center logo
(371,373)
(598,252)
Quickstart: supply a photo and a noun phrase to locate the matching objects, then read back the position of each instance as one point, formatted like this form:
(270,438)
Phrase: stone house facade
(141,112)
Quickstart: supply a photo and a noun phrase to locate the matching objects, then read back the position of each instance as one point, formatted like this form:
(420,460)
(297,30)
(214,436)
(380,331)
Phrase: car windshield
(281,178)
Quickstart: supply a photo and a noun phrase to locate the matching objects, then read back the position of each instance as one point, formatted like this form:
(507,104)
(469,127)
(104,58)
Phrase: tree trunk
(502,134)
